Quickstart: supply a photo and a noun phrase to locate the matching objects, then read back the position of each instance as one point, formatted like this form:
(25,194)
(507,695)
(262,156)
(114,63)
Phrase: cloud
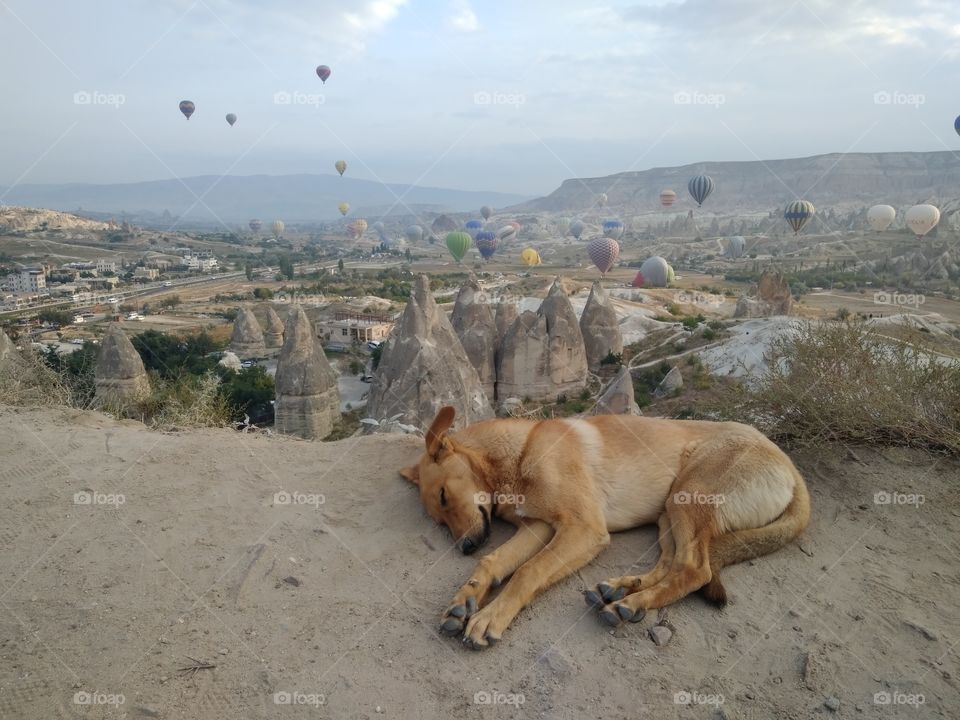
(462,17)
(375,15)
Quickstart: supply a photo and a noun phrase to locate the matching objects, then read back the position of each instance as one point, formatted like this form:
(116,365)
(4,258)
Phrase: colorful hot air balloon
(603,251)
(255,225)
(486,242)
(277,228)
(507,233)
(530,257)
(341,166)
(655,272)
(486,211)
(187,108)
(357,228)
(414,233)
(700,188)
(667,198)
(323,72)
(458,243)
(231,118)
(601,199)
(473,227)
(344,208)
(798,214)
(956,124)
(735,247)
(613,229)
(922,219)
(879,217)
(576,228)
(379,228)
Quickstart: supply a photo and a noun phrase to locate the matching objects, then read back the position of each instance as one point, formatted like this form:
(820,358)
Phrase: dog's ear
(411,473)
(436,435)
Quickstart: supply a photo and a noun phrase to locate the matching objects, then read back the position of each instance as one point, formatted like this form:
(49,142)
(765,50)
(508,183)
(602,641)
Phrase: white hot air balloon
(879,217)
(922,219)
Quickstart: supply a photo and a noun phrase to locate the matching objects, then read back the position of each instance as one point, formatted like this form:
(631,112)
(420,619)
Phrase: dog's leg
(493,569)
(616,588)
(572,547)
(690,570)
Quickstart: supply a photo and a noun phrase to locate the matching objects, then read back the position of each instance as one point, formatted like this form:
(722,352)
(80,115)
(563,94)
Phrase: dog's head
(452,490)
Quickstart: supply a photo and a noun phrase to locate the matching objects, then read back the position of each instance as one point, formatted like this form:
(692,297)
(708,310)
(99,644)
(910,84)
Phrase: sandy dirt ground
(303,580)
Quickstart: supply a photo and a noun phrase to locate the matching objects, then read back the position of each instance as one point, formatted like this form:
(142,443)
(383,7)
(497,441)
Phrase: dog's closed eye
(443,497)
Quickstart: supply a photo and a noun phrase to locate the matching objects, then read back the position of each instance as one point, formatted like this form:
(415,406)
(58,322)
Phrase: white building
(30,280)
(106,265)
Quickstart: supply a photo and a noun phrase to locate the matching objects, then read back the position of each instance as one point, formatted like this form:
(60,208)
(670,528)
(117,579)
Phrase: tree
(250,391)
(55,317)
(262,293)
(286,267)
(340,265)
(248,268)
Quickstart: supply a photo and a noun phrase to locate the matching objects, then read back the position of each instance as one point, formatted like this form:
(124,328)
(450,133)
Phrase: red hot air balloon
(603,251)
(323,72)
(187,108)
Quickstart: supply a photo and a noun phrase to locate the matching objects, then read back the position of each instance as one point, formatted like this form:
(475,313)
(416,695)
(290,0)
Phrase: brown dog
(721,493)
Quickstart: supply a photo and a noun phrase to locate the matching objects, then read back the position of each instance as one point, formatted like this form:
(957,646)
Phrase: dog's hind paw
(617,613)
(611,593)
(455,617)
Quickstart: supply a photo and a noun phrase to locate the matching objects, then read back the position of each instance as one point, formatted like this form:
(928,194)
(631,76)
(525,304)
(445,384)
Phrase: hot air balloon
(700,188)
(255,225)
(341,166)
(613,229)
(601,199)
(530,257)
(231,118)
(603,251)
(576,228)
(667,198)
(507,233)
(414,233)
(956,124)
(515,224)
(323,72)
(344,208)
(187,108)
(736,246)
(458,243)
(277,228)
(655,272)
(486,242)
(922,219)
(798,214)
(879,217)
(443,224)
(486,211)
(357,228)
(473,227)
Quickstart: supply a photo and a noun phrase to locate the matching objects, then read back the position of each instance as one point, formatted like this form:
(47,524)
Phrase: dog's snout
(468,546)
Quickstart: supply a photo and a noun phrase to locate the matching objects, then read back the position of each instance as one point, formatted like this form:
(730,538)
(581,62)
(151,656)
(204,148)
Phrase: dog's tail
(739,545)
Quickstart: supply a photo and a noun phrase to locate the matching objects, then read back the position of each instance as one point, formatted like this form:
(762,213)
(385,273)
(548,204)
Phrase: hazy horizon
(461,95)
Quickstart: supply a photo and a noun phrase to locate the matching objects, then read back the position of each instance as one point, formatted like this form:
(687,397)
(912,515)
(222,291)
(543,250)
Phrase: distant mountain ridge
(839,180)
(236,199)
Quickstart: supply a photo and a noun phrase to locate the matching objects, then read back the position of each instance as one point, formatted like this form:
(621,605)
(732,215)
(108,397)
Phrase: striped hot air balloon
(486,241)
(798,214)
(700,188)
(603,252)
(458,243)
(576,228)
(323,72)
(613,229)
(667,198)
(187,108)
(655,272)
(473,227)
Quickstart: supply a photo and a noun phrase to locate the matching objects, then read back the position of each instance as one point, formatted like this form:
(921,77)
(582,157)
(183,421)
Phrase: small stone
(926,632)
(379,709)
(660,634)
(291,580)
(832,704)
(863,506)
(732,634)
(223,651)
(163,679)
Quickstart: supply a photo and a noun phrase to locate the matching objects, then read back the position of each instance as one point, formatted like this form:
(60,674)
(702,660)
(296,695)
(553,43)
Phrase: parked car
(77,319)
(366,378)
(167,283)
(374,344)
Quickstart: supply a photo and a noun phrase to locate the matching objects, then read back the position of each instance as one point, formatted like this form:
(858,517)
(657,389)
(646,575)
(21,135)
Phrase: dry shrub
(188,402)
(842,381)
(26,380)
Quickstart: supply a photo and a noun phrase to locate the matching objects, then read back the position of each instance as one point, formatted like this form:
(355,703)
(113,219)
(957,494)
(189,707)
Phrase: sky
(497,95)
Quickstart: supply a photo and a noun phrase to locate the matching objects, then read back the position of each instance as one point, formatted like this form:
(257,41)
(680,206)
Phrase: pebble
(660,634)
(223,651)
(832,704)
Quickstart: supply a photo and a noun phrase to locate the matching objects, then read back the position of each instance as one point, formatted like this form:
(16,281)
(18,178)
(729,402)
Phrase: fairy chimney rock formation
(542,355)
(424,367)
(618,397)
(8,351)
(600,327)
(273,331)
(307,397)
(247,339)
(773,297)
(119,376)
(473,322)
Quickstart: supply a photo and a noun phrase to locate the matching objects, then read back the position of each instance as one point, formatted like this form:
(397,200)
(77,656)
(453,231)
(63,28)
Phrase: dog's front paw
(455,617)
(485,628)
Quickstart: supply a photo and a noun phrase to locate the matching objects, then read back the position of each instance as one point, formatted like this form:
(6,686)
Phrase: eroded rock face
(273,331)
(600,327)
(119,376)
(618,397)
(671,382)
(425,367)
(307,397)
(247,340)
(542,355)
(773,297)
(8,351)
(473,322)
